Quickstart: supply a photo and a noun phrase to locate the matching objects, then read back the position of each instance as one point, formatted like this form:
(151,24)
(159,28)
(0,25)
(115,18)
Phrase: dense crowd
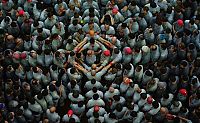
(100,61)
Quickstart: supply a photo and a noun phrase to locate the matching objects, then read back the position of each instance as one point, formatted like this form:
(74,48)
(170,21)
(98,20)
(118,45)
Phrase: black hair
(103,32)
(168,30)
(163,70)
(177,120)
(58,83)
(78,55)
(191,46)
(116,97)
(96,114)
(91,22)
(133,113)
(48,41)
(169,9)
(16,87)
(155,104)
(145,8)
(40,96)
(112,115)
(148,73)
(194,80)
(39,30)
(39,38)
(92,41)
(185,78)
(35,23)
(75,22)
(119,107)
(118,66)
(133,3)
(7,19)
(16,65)
(57,54)
(54,36)
(39,51)
(179,34)
(72,70)
(13,24)
(187,32)
(72,53)
(172,78)
(129,105)
(39,5)
(184,63)
(59,1)
(52,87)
(124,25)
(153,5)
(47,51)
(97,121)
(127,66)
(91,9)
(75,94)
(94,89)
(93,81)
(143,95)
(32,100)
(132,84)
(76,15)
(2,31)
(95,96)
(131,35)
(34,69)
(91,14)
(54,67)
(80,104)
(192,21)
(116,50)
(148,117)
(141,15)
(25,105)
(21,97)
(166,95)
(45,92)
(69,41)
(49,14)
(73,84)
(183,109)
(72,120)
(138,68)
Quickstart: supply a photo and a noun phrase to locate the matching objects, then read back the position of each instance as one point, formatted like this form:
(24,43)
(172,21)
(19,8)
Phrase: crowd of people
(99,61)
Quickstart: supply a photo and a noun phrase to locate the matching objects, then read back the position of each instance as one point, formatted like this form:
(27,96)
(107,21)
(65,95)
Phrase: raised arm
(109,65)
(79,67)
(105,42)
(99,68)
(80,45)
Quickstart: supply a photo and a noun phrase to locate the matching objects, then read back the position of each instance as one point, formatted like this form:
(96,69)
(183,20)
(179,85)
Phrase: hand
(75,63)
(99,51)
(54,82)
(76,49)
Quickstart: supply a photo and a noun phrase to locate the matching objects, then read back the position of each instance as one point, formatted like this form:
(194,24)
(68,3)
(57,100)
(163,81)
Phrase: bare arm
(80,45)
(99,68)
(109,65)
(79,67)
(105,42)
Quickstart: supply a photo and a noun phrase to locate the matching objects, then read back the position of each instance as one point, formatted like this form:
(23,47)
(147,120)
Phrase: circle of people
(99,61)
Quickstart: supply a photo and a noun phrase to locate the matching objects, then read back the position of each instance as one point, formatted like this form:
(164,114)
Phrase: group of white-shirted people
(100,61)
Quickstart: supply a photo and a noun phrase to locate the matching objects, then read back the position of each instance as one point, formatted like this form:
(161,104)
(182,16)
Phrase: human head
(91,33)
